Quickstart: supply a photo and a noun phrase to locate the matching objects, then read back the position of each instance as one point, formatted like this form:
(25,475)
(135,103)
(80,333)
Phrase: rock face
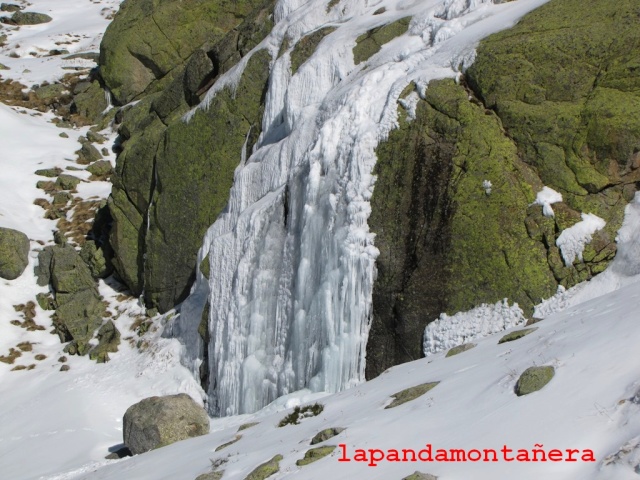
(14,253)
(159,421)
(447,243)
(168,167)
(148,40)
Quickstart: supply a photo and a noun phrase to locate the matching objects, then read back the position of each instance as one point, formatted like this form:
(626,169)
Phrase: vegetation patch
(370,43)
(11,357)
(299,413)
(315,454)
(225,445)
(510,337)
(247,425)
(410,394)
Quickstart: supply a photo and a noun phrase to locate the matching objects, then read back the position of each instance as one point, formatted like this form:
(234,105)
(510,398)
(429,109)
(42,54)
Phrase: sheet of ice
(290,304)
(572,240)
(464,327)
(546,197)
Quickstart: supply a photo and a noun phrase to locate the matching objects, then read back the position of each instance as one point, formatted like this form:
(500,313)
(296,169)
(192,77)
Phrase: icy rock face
(292,260)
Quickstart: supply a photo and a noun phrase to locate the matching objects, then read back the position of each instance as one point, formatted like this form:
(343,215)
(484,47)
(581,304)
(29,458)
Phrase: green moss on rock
(266,469)
(371,42)
(533,379)
(315,454)
(411,393)
(459,349)
(510,337)
(14,253)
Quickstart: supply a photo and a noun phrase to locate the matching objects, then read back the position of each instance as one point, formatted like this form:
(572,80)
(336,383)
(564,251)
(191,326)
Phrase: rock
(10,7)
(131,67)
(533,379)
(95,137)
(225,445)
(326,434)
(99,264)
(88,154)
(62,198)
(411,393)
(210,476)
(315,454)
(52,93)
(108,340)
(30,18)
(14,253)
(90,103)
(46,301)
(266,469)
(510,337)
(159,421)
(371,42)
(67,182)
(120,453)
(419,475)
(245,426)
(459,349)
(101,168)
(65,368)
(49,172)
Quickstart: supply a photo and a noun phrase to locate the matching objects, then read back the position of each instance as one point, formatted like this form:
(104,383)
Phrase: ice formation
(292,258)
(463,327)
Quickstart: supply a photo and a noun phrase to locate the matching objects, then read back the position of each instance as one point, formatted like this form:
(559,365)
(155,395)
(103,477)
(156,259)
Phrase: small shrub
(299,413)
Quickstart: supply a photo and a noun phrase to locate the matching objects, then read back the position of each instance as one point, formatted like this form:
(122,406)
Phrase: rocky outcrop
(149,40)
(79,308)
(160,421)
(14,253)
(546,103)
(168,167)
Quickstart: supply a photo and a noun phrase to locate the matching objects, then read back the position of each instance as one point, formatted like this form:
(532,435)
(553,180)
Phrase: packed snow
(545,198)
(572,240)
(463,327)
(291,305)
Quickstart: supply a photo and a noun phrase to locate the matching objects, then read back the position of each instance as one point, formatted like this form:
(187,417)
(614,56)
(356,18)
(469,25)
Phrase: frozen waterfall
(292,259)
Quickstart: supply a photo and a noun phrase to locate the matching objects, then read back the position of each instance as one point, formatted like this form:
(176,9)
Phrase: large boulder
(148,40)
(168,167)
(14,253)
(549,102)
(159,421)
(79,308)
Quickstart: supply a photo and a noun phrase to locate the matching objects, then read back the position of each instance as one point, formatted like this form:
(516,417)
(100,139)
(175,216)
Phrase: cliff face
(551,102)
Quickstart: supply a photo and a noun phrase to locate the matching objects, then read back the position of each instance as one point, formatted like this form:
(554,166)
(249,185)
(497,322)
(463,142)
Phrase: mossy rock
(90,103)
(315,454)
(14,253)
(245,426)
(108,340)
(30,18)
(148,40)
(211,476)
(534,379)
(410,394)
(419,475)
(306,46)
(326,434)
(67,182)
(371,42)
(101,168)
(49,172)
(459,349)
(266,469)
(225,445)
(510,337)
(46,301)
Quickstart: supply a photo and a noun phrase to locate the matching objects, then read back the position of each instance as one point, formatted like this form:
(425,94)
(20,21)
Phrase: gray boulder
(159,421)
(30,18)
(14,253)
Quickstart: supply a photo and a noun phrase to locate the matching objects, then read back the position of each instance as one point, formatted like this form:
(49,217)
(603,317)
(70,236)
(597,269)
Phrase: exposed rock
(210,476)
(225,445)
(88,154)
(108,340)
(459,349)
(326,435)
(420,476)
(29,18)
(94,257)
(533,379)
(89,103)
(371,42)
(14,253)
(67,182)
(10,7)
(101,168)
(515,335)
(266,469)
(130,66)
(315,454)
(411,393)
(46,301)
(159,421)
(49,172)
(245,426)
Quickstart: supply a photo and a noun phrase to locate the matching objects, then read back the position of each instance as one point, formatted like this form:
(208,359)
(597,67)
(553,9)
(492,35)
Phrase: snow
(572,240)
(463,327)
(290,305)
(546,197)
